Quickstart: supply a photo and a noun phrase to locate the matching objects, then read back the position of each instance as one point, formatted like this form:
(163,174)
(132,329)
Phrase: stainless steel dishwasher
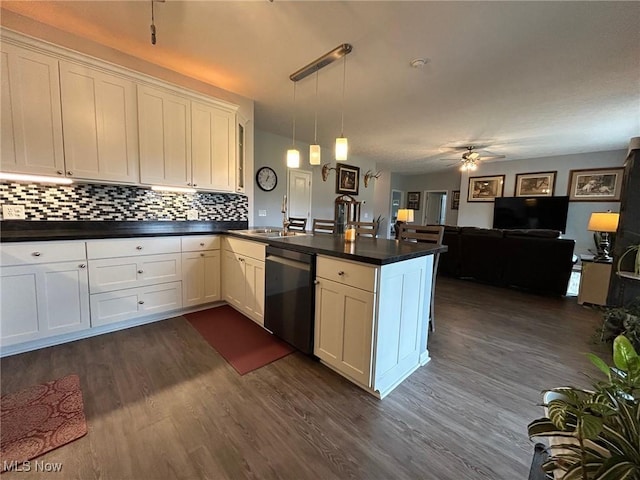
(289,296)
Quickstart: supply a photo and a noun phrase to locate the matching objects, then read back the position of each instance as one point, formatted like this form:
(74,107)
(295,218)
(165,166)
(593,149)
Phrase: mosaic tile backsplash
(118,202)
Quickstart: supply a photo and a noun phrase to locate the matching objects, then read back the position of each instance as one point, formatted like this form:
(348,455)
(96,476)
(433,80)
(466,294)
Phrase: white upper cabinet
(213,138)
(31,116)
(165,138)
(100,125)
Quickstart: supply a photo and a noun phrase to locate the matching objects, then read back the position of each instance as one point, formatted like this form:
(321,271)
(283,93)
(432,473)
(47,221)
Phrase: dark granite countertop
(32,231)
(376,251)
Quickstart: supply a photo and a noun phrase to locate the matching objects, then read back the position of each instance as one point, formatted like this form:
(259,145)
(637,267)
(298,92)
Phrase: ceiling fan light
(314,154)
(293,158)
(342,149)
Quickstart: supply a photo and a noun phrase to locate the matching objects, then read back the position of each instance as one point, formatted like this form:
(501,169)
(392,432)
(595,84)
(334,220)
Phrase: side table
(594,280)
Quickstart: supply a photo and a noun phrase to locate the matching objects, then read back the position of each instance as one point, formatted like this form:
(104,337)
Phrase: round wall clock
(266,178)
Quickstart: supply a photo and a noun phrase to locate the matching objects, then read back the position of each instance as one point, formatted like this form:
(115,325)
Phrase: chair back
(324,226)
(366,228)
(298,224)
(422,233)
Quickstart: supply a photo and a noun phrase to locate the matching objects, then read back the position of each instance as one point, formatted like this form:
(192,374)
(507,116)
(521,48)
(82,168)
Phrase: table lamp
(405,215)
(603,223)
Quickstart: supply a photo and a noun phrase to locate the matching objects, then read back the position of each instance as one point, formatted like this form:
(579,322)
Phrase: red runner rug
(40,418)
(242,343)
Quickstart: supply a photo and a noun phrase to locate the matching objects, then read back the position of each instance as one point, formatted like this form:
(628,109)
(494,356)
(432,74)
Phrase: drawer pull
(341,273)
(316,282)
(60,172)
(140,271)
(202,244)
(141,302)
(202,254)
(36,254)
(83,265)
(195,184)
(139,247)
(241,259)
(69,172)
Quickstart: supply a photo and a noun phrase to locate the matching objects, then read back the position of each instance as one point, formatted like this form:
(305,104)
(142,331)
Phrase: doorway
(435,207)
(299,194)
(396,204)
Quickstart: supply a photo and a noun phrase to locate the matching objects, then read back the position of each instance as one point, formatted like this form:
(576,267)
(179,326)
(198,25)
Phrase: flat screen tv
(531,213)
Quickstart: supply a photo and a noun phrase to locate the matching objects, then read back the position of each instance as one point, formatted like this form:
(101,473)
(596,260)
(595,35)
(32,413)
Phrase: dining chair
(425,234)
(323,226)
(366,228)
(298,224)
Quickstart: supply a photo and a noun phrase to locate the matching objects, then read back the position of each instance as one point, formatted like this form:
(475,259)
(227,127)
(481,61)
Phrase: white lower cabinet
(200,270)
(128,304)
(370,320)
(40,300)
(243,273)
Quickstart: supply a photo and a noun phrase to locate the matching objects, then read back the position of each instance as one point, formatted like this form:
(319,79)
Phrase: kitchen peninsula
(372,295)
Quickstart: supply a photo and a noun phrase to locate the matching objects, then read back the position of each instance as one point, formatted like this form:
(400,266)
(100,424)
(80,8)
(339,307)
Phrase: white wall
(480,214)
(270,150)
(447,180)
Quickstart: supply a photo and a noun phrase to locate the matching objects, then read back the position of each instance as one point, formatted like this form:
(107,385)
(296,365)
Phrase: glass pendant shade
(314,154)
(293,158)
(342,149)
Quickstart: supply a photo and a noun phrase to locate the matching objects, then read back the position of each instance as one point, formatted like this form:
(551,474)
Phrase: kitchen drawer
(128,247)
(246,248)
(107,274)
(121,305)
(354,274)
(198,243)
(42,252)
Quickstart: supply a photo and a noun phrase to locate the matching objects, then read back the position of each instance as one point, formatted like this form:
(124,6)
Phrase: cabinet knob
(340,273)
(139,247)
(83,265)
(316,282)
(60,172)
(140,271)
(241,259)
(202,254)
(69,172)
(141,302)
(195,184)
(36,254)
(189,184)
(202,244)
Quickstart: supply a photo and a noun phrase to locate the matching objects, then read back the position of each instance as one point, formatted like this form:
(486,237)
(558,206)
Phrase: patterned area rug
(40,418)
(242,343)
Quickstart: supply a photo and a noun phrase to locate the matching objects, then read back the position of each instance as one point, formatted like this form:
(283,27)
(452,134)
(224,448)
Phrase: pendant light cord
(344,81)
(153,26)
(315,121)
(294,113)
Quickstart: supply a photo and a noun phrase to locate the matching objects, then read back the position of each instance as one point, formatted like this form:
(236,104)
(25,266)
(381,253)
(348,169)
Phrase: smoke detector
(418,62)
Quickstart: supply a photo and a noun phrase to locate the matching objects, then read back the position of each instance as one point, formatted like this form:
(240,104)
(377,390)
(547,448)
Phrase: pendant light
(314,150)
(293,155)
(342,145)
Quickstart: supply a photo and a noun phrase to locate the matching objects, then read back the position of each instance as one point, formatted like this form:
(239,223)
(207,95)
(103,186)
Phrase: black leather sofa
(536,260)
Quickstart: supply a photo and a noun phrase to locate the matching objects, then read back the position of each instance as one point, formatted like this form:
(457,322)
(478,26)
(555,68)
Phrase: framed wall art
(485,189)
(536,184)
(347,179)
(413,200)
(455,199)
(595,185)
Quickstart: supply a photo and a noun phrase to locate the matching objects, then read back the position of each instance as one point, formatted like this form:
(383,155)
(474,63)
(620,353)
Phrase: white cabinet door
(31,116)
(233,287)
(109,274)
(100,125)
(43,300)
(213,147)
(254,289)
(344,329)
(165,138)
(200,277)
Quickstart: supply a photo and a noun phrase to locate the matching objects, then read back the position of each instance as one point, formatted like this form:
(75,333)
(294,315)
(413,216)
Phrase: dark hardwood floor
(161,403)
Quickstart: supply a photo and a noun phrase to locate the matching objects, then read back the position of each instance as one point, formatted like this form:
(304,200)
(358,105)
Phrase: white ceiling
(528,79)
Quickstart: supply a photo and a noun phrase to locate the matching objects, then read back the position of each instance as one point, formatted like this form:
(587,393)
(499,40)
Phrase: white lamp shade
(293,158)
(342,149)
(405,215)
(314,154)
(603,222)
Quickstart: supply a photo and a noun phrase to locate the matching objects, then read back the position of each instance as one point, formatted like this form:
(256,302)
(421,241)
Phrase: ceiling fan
(470,157)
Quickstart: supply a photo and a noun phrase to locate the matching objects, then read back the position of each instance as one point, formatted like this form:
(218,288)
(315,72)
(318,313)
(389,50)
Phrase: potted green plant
(595,434)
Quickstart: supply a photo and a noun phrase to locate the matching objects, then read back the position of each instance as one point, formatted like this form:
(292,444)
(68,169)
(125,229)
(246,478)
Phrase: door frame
(391,222)
(425,200)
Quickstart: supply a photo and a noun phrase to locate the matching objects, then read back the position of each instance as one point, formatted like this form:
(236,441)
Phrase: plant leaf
(623,351)
(598,362)
(590,426)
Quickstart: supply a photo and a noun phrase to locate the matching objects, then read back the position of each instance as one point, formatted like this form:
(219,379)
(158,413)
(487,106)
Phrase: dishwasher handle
(288,262)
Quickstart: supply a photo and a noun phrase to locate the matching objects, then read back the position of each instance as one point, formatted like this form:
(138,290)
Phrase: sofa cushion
(533,233)
(489,232)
